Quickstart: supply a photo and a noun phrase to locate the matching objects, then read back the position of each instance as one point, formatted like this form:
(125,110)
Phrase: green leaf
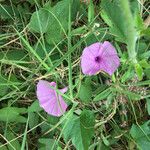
(3,147)
(43,48)
(139,22)
(13,55)
(33,120)
(46,144)
(115,19)
(52,20)
(141,134)
(131,95)
(35,107)
(148,105)
(85,93)
(7,83)
(52,119)
(91,12)
(12,114)
(129,73)
(104,94)
(144,64)
(139,71)
(13,145)
(80,129)
(40,20)
(122,24)
(6,12)
(147,73)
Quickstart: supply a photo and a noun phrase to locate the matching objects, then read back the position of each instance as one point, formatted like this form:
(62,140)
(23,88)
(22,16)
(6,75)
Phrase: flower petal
(89,67)
(95,49)
(88,64)
(49,100)
(110,60)
(64,90)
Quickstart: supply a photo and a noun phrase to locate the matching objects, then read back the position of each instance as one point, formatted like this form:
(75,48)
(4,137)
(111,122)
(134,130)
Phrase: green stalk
(130,32)
(69,48)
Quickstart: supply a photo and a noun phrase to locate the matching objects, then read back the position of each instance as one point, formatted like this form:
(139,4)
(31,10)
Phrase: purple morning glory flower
(99,57)
(49,100)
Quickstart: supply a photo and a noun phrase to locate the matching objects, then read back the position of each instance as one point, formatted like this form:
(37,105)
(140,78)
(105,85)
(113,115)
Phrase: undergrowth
(44,39)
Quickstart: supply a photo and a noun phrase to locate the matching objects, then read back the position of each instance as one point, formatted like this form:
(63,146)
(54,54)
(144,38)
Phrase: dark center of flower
(97,59)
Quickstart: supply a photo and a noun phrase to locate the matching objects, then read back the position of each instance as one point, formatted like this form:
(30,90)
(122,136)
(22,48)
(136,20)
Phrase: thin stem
(69,48)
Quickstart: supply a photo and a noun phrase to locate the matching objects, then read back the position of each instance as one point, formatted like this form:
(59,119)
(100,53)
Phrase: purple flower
(99,57)
(49,100)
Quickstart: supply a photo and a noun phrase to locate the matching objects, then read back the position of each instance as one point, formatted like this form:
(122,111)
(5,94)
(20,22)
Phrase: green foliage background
(44,39)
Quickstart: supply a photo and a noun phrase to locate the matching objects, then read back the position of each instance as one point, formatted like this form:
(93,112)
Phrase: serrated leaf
(80,129)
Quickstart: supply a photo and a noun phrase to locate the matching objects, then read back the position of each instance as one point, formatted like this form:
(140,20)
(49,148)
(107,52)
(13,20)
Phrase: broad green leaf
(141,134)
(35,107)
(52,120)
(122,24)
(13,55)
(40,20)
(80,129)
(85,93)
(13,145)
(103,95)
(12,114)
(115,19)
(53,20)
(43,49)
(33,120)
